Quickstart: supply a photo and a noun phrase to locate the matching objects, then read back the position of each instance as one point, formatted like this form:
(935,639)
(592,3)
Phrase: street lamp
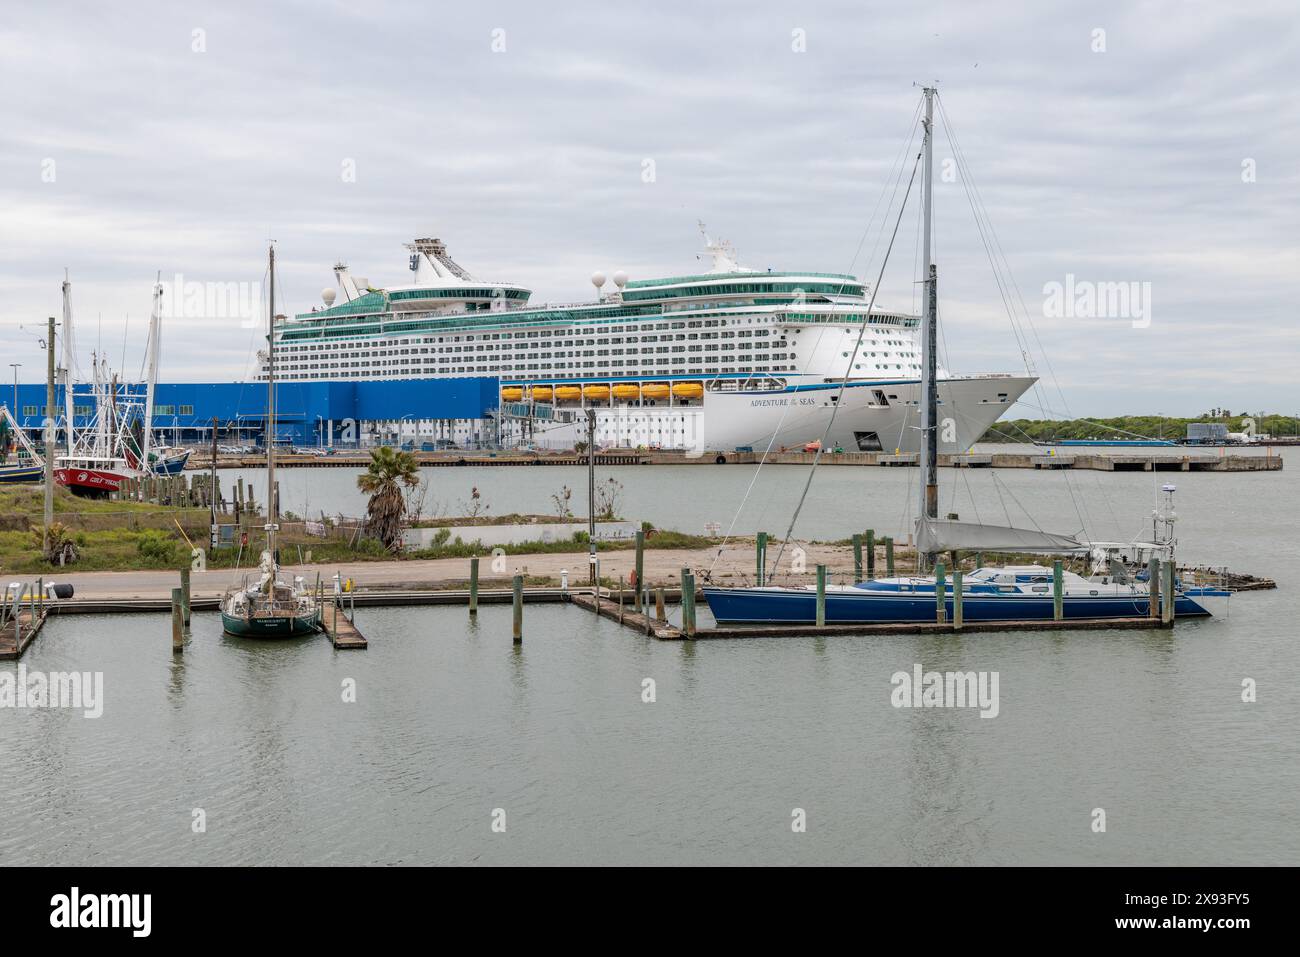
(16,367)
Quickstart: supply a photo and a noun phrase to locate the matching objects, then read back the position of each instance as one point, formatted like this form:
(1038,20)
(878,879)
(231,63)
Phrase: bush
(154,546)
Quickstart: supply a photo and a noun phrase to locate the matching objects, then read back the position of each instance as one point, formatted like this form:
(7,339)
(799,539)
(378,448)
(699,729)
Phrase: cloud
(1111,166)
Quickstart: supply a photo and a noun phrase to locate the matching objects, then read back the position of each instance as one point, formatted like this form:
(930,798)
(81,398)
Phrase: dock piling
(1153,588)
(940,594)
(639,585)
(660,615)
(761,556)
(871,553)
(473,586)
(857,557)
(688,603)
(185,597)
(821,596)
(1170,599)
(956,599)
(1058,591)
(178,625)
(519,609)
(889,557)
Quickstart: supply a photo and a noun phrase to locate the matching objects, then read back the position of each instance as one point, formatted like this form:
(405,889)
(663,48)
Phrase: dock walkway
(16,636)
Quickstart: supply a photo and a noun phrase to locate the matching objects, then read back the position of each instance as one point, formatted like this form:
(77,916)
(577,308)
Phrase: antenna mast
(929,344)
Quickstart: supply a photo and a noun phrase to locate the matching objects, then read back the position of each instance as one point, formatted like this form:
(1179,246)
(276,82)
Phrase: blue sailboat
(1010,593)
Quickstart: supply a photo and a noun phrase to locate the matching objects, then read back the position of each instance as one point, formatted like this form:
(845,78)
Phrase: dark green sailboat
(270,608)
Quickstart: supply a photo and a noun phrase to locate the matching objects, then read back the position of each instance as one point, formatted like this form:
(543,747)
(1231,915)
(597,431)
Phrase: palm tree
(388,472)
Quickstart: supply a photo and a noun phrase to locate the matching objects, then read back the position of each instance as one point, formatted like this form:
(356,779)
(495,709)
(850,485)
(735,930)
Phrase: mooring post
(1153,588)
(956,599)
(185,597)
(40,599)
(821,596)
(1058,591)
(178,626)
(889,557)
(871,553)
(857,557)
(1166,613)
(620,599)
(940,594)
(761,556)
(688,603)
(660,615)
(473,586)
(519,609)
(639,587)
(979,559)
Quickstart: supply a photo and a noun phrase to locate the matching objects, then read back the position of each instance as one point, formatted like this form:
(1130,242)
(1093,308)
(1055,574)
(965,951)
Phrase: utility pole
(212,492)
(591,494)
(49,437)
(16,366)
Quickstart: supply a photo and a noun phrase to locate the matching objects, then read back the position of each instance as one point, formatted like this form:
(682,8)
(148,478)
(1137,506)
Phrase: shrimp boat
(270,607)
(1009,593)
(30,467)
(103,454)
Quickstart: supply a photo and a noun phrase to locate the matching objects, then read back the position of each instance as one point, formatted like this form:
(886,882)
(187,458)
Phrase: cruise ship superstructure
(725,359)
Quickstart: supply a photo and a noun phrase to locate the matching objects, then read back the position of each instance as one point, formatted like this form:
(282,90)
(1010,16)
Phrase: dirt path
(662,566)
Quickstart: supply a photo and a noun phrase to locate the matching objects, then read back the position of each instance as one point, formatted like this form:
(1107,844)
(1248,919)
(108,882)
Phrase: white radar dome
(328,296)
(620,279)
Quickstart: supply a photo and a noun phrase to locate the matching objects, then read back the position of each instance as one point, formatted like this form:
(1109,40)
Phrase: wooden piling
(857,557)
(889,557)
(519,609)
(871,553)
(940,594)
(688,603)
(761,556)
(659,605)
(178,625)
(1058,591)
(639,589)
(821,596)
(473,586)
(185,597)
(1170,598)
(1153,588)
(956,598)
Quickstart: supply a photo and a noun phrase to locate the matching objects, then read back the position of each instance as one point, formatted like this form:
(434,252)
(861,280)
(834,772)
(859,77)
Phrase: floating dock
(340,629)
(17,634)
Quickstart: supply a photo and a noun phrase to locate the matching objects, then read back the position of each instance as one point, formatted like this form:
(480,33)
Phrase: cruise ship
(727,359)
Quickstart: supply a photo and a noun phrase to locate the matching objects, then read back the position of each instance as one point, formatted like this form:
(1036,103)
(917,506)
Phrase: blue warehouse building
(332,414)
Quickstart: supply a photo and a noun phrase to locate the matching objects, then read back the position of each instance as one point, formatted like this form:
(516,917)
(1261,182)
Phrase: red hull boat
(92,478)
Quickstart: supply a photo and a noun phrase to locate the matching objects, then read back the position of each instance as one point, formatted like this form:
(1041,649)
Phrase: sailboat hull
(271,626)
(799,606)
(172,464)
(10,474)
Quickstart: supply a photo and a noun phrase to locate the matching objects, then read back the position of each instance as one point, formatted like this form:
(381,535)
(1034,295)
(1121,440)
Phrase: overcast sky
(1145,142)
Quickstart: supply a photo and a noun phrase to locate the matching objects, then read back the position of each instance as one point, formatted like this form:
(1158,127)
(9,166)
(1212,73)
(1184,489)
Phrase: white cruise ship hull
(872,416)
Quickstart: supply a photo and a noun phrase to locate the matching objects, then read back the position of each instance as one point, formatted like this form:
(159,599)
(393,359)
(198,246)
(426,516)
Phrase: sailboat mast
(151,361)
(69,405)
(271,503)
(929,343)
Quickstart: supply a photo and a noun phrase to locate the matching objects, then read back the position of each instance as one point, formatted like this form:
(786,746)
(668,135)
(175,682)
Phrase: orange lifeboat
(512,393)
(595,391)
(654,390)
(567,393)
(688,390)
(625,391)
(542,393)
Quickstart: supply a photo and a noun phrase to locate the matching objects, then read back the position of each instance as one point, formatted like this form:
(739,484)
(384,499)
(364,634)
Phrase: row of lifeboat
(624,391)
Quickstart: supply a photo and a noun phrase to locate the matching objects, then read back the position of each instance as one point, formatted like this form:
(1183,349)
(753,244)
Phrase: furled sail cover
(942,535)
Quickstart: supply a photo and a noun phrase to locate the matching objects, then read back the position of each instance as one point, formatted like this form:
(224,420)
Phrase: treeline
(1131,427)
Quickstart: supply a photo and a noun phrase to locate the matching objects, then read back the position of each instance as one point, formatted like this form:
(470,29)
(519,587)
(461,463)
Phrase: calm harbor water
(452,721)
